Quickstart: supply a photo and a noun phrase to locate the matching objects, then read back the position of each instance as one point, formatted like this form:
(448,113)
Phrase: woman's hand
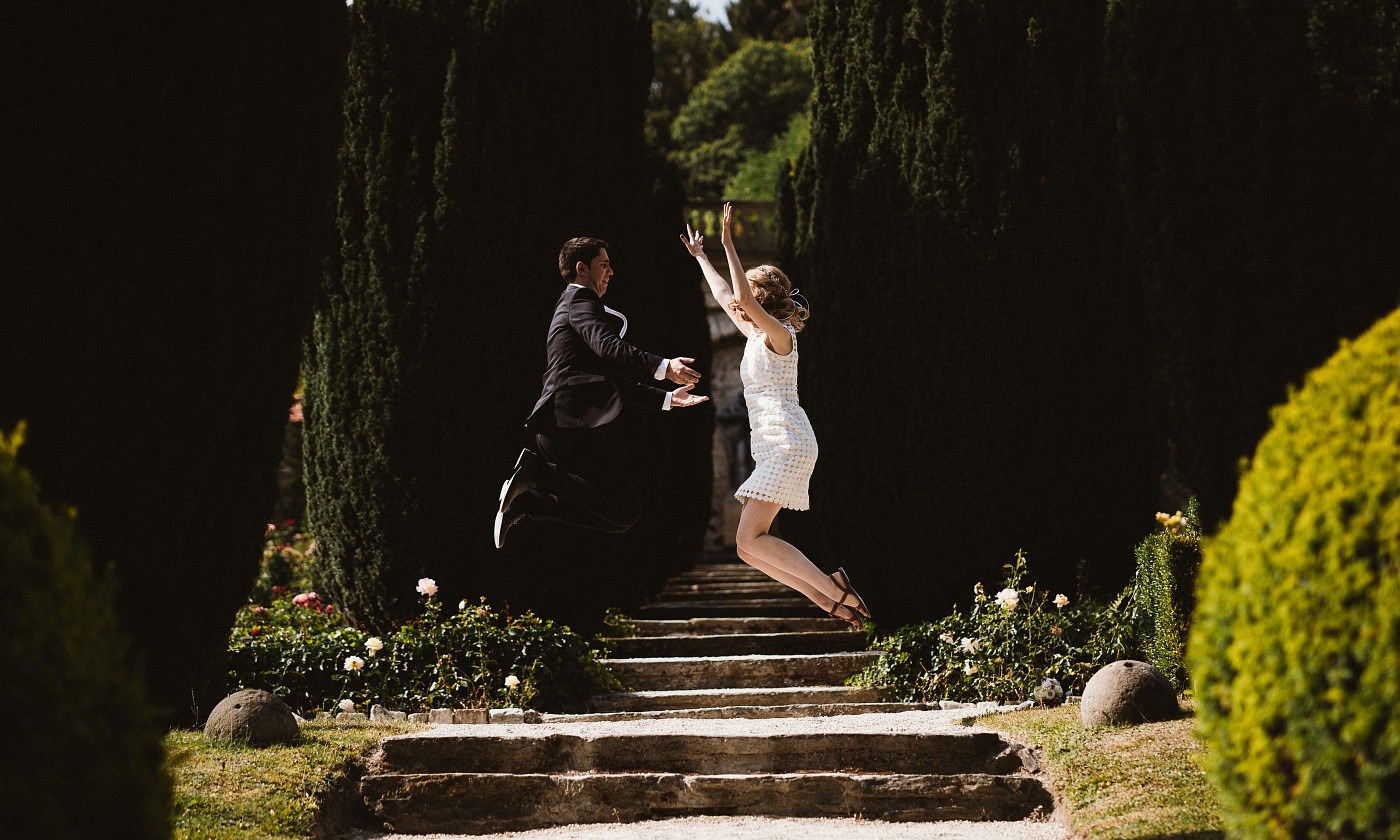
(682,398)
(727,229)
(694,242)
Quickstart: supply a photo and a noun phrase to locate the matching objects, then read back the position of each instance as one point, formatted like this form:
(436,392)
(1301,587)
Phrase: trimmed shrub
(1164,589)
(84,758)
(1296,644)
(1006,646)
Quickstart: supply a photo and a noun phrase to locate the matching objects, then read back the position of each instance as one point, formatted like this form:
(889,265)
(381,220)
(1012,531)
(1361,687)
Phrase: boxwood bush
(83,758)
(1295,648)
(1164,587)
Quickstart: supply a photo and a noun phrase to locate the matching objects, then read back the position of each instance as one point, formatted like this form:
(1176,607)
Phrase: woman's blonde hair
(773,291)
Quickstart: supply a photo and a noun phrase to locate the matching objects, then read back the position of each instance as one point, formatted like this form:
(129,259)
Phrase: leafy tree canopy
(769,20)
(743,105)
(685,49)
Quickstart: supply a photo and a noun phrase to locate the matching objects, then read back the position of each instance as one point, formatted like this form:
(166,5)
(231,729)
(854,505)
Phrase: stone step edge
(649,661)
(775,691)
(748,712)
(438,802)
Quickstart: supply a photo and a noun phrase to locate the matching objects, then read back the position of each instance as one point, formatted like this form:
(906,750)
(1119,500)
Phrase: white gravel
(769,828)
(875,723)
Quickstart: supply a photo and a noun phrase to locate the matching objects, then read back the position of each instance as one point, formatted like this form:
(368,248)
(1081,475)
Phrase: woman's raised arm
(775,333)
(694,242)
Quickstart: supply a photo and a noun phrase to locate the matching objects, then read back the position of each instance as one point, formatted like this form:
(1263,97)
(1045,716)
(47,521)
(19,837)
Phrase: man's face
(599,273)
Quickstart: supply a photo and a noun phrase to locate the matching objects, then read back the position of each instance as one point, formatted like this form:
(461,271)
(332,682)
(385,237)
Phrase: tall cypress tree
(954,220)
(478,138)
(173,164)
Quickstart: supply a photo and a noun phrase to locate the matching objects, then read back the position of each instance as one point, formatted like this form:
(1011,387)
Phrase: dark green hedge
(1260,173)
(1064,256)
(170,167)
(1164,589)
(84,757)
(1296,645)
(975,365)
(478,138)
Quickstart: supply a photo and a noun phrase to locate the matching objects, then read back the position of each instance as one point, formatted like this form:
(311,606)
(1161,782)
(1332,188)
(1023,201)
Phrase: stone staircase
(737,707)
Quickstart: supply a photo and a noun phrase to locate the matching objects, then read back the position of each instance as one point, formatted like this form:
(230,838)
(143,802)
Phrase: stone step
(482,803)
(751,671)
(822,641)
(738,624)
(749,712)
(796,607)
(709,698)
(881,743)
(723,591)
(738,576)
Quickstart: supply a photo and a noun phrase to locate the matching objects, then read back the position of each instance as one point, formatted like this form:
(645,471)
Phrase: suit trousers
(585,483)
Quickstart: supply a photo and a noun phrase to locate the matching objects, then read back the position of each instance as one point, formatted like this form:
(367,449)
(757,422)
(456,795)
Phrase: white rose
(1061,601)
(969,645)
(427,586)
(354,663)
(1008,599)
(374,644)
(347,705)
(512,681)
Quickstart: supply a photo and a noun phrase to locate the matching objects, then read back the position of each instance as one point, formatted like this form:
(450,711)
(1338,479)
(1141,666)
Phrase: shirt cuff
(661,374)
(666,404)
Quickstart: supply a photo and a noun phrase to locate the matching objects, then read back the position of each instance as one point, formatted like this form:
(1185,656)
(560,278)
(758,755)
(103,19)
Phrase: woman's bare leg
(780,559)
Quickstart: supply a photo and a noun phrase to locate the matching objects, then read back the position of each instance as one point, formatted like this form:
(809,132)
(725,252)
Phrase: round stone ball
(252,716)
(1127,691)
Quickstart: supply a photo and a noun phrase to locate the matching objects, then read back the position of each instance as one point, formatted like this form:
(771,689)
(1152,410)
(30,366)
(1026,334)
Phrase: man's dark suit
(590,373)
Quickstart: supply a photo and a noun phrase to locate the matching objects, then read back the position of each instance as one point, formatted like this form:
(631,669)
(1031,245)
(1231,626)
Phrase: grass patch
(1120,782)
(238,792)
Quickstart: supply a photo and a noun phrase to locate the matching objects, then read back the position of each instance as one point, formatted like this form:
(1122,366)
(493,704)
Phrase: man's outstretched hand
(679,371)
(682,398)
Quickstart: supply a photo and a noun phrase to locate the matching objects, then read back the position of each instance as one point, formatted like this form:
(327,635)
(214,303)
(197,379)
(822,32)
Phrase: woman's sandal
(852,619)
(843,583)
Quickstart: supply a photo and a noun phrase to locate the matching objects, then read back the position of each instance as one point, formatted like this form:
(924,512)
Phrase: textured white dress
(783,444)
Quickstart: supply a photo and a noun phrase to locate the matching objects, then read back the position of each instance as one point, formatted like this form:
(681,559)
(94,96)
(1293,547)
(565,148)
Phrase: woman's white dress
(783,444)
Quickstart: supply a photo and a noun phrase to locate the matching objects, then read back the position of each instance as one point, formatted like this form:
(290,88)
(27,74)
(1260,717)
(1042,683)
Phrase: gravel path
(874,723)
(768,828)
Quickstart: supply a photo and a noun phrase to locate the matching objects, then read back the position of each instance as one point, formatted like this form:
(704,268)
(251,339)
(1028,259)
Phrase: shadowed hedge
(1064,256)
(171,168)
(478,138)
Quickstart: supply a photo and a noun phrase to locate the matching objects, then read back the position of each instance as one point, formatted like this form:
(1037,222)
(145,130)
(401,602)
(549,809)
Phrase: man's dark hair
(584,248)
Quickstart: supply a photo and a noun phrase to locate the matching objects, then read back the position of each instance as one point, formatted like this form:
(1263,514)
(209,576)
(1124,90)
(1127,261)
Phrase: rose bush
(1006,647)
(301,649)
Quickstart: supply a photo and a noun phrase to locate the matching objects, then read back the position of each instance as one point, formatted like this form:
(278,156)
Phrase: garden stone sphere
(1127,691)
(252,716)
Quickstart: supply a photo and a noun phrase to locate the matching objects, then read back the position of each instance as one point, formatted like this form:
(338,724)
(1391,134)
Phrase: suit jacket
(590,370)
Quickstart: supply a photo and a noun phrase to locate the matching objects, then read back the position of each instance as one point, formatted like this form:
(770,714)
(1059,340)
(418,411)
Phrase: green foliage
(769,20)
(1005,646)
(740,108)
(84,759)
(758,176)
(685,48)
(1164,588)
(1295,648)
